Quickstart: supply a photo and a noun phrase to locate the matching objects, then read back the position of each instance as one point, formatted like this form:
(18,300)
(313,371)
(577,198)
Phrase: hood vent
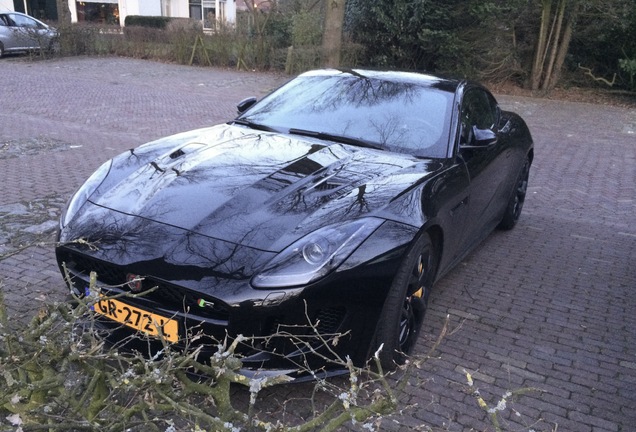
(326,185)
(177,154)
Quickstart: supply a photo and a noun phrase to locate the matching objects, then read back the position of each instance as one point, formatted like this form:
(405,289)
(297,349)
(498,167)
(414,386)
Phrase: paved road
(550,305)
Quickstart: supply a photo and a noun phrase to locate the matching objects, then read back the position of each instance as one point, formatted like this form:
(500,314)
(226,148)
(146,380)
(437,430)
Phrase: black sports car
(322,215)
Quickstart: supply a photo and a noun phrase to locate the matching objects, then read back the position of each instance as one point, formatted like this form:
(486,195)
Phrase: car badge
(205,303)
(133,282)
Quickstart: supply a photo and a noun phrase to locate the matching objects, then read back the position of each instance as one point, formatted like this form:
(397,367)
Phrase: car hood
(258,189)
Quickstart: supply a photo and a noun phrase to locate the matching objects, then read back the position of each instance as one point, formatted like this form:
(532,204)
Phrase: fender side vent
(177,154)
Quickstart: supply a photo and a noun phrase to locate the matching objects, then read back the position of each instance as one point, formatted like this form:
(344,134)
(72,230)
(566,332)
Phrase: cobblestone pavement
(549,305)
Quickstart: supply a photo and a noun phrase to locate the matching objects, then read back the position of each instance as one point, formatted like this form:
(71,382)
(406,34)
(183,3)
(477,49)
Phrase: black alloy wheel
(405,305)
(515,205)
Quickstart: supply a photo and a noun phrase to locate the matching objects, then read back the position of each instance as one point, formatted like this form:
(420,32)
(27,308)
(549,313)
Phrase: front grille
(164,294)
(107,274)
(329,319)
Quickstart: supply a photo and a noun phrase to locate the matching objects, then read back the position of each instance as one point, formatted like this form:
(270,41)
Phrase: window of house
(221,12)
(196,11)
(205,11)
(209,14)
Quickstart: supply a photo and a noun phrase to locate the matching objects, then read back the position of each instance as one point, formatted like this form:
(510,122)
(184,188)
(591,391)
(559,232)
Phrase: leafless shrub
(59,373)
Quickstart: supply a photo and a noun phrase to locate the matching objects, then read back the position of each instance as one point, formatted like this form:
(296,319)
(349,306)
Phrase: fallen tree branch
(588,72)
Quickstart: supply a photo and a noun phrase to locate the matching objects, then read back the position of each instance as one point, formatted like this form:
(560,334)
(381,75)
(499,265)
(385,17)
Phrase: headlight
(315,255)
(85,191)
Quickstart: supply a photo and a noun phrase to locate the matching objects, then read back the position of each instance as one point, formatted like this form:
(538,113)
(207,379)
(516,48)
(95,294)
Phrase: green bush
(306,29)
(79,39)
(182,34)
(158,22)
(278,30)
(140,34)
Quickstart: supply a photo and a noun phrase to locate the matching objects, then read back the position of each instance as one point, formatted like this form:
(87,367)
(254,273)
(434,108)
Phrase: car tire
(405,304)
(54,46)
(515,204)
(1,50)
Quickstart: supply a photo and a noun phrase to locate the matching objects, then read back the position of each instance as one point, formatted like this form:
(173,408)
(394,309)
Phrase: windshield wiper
(337,138)
(252,125)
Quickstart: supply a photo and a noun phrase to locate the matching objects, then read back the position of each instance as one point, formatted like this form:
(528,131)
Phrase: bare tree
(555,34)
(63,12)
(332,36)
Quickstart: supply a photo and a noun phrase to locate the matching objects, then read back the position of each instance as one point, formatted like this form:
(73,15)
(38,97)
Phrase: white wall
(230,11)
(137,7)
(72,7)
(172,8)
(6,5)
(152,8)
(178,8)
(148,8)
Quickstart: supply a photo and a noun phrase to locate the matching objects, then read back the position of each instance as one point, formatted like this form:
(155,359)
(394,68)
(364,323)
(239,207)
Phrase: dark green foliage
(404,33)
(491,40)
(605,42)
(465,38)
(499,37)
(158,22)
(80,39)
(306,29)
(279,30)
(488,40)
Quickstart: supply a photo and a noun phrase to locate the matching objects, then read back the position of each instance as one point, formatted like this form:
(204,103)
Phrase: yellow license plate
(138,319)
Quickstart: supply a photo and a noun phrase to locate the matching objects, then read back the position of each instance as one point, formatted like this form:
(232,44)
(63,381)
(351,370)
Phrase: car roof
(7,12)
(407,77)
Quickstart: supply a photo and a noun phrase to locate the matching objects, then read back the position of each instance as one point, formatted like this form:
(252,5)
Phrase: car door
(28,33)
(485,155)
(7,32)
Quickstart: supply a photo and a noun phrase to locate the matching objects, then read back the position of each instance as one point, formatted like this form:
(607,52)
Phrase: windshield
(402,115)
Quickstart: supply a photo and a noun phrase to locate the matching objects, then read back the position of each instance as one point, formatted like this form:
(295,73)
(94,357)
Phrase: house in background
(247,5)
(209,12)
(45,10)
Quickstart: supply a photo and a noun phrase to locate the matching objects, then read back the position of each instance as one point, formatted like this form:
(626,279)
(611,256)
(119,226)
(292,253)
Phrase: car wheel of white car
(54,46)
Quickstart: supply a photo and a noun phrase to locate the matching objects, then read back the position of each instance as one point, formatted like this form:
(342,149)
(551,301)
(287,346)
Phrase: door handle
(457,206)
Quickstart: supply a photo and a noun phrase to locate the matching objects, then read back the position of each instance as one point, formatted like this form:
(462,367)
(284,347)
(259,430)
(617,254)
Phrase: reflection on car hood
(259,189)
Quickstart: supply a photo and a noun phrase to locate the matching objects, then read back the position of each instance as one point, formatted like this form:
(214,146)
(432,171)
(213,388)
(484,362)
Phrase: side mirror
(483,137)
(245,104)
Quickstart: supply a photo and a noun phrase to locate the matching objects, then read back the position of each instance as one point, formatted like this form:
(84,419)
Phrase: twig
(588,72)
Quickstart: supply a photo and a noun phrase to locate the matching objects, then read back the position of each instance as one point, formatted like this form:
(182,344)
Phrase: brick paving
(550,305)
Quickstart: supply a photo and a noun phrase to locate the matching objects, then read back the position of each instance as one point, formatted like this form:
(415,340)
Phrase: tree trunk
(63,12)
(555,45)
(545,75)
(542,43)
(563,48)
(332,36)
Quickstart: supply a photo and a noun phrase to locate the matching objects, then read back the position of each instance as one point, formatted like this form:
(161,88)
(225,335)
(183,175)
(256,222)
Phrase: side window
(479,110)
(6,20)
(22,21)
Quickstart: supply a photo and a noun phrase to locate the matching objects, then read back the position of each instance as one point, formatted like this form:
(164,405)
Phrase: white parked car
(20,32)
